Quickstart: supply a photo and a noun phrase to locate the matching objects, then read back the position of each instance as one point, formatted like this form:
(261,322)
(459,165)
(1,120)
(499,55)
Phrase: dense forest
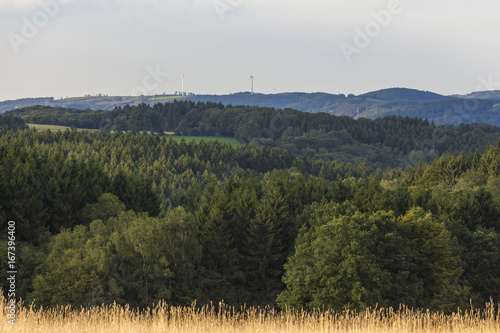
(12,122)
(477,107)
(137,218)
(386,142)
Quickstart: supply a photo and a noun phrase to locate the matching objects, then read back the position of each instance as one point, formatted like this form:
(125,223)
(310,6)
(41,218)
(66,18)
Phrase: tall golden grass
(164,318)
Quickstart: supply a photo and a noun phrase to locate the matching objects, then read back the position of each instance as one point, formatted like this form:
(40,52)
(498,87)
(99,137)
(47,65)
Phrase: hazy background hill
(490,94)
(350,105)
(99,102)
(477,107)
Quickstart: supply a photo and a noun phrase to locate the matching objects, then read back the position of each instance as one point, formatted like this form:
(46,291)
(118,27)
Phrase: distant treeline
(386,142)
(12,122)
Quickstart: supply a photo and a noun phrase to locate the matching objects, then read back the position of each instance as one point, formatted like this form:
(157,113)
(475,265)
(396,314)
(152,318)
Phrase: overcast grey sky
(65,48)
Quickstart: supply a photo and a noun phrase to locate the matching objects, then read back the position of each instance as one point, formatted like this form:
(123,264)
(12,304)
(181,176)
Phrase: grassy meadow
(54,128)
(232,141)
(165,98)
(164,318)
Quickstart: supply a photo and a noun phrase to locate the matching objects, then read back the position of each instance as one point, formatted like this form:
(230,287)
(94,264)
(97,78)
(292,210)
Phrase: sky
(66,48)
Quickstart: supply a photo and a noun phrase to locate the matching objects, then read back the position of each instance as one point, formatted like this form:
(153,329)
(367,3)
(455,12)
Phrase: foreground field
(164,318)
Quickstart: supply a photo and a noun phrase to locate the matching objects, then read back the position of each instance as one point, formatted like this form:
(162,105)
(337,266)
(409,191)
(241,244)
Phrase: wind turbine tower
(182,77)
(251,78)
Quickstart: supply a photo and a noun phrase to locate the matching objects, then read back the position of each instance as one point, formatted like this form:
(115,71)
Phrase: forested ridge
(386,142)
(131,218)
(477,107)
(12,122)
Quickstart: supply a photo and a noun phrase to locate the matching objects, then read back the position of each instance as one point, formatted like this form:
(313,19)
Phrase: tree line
(391,141)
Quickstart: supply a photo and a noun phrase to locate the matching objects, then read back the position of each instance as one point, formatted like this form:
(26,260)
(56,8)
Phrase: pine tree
(267,247)
(219,264)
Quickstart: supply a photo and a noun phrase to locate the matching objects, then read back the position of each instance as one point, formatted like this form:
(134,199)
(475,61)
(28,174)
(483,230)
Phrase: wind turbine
(251,78)
(182,77)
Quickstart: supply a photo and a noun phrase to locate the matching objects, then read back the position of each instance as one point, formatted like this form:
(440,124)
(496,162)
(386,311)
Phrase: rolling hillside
(478,107)
(391,141)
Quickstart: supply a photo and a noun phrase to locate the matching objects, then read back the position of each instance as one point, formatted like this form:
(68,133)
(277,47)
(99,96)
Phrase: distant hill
(25,102)
(310,102)
(104,102)
(404,94)
(436,108)
(490,94)
(478,107)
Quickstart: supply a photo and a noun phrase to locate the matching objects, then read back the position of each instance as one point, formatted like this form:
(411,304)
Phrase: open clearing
(232,141)
(55,128)
(163,98)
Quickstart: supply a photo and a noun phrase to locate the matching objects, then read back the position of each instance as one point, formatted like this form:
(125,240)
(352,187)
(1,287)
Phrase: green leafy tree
(141,268)
(435,263)
(108,205)
(183,253)
(362,260)
(482,266)
(75,271)
(123,260)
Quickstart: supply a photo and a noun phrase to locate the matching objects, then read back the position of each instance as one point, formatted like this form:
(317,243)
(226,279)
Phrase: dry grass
(164,318)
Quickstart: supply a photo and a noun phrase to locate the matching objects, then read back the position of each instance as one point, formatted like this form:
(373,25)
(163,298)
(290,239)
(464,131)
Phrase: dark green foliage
(220,270)
(108,205)
(12,122)
(392,141)
(482,265)
(209,222)
(140,197)
(268,242)
(61,116)
(183,253)
(477,210)
(123,259)
(363,260)
(46,192)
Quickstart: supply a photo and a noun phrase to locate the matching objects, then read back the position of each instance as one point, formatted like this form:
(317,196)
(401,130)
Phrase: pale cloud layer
(80,47)
(18,4)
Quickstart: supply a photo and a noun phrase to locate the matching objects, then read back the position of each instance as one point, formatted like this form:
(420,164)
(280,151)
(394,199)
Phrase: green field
(222,139)
(232,141)
(162,98)
(54,128)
